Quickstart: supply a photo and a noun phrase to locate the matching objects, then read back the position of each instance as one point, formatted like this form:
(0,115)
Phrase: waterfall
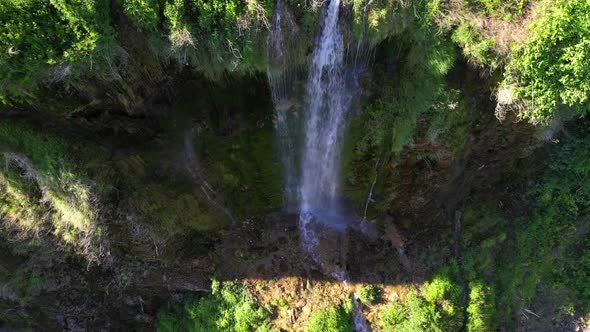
(328,102)
(280,78)
(331,87)
(360,323)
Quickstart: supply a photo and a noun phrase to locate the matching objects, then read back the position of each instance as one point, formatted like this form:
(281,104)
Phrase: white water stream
(280,78)
(329,95)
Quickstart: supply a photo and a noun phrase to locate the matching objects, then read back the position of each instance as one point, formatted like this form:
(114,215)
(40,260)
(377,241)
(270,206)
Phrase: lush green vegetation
(332,319)
(56,41)
(368,294)
(550,70)
(230,307)
(51,41)
(533,262)
(505,9)
(547,72)
(476,48)
(561,207)
(227,34)
(408,88)
(542,264)
(436,307)
(534,267)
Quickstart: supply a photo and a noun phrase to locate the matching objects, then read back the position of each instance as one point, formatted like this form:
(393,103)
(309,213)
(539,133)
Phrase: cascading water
(330,90)
(328,102)
(280,78)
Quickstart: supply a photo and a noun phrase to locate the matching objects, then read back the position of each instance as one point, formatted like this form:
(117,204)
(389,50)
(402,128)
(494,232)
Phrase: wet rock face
(271,248)
(331,250)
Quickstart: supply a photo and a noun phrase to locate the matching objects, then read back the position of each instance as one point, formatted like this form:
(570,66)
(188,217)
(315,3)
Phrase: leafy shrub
(481,308)
(145,14)
(38,37)
(562,202)
(393,316)
(331,319)
(506,9)
(415,314)
(550,69)
(476,48)
(437,309)
(368,294)
(230,307)
(225,36)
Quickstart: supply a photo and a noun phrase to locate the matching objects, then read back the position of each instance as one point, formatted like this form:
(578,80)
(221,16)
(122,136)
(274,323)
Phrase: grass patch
(41,187)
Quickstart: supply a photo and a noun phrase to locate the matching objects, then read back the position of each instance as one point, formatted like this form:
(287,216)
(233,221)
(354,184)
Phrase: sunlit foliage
(229,308)
(550,70)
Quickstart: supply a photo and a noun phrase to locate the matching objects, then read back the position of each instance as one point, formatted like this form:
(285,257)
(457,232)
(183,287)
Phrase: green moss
(245,167)
(449,123)
(482,308)
(410,72)
(167,208)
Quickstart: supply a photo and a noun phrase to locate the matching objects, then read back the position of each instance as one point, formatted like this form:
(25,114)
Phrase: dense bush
(331,319)
(229,308)
(368,294)
(562,204)
(49,41)
(145,14)
(506,9)
(550,70)
(227,34)
(437,307)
